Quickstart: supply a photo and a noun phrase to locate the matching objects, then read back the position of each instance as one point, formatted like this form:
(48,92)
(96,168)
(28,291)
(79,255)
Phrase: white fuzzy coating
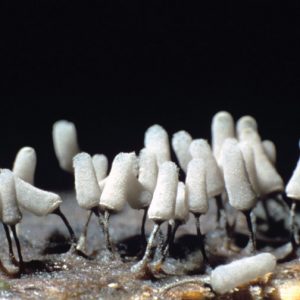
(65,143)
(270,150)
(181,205)
(143,188)
(162,207)
(245,122)
(195,183)
(117,185)
(86,185)
(268,179)
(148,169)
(240,192)
(34,200)
(293,187)
(200,148)
(239,272)
(25,164)
(102,183)
(181,141)
(248,156)
(157,140)
(100,163)
(137,196)
(10,213)
(222,128)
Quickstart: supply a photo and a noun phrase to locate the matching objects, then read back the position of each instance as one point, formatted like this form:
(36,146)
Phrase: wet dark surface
(52,271)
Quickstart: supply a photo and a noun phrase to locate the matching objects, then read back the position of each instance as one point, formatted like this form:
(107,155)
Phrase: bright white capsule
(200,148)
(102,183)
(270,150)
(239,272)
(36,201)
(195,184)
(100,163)
(245,122)
(157,140)
(222,128)
(240,193)
(117,184)
(293,187)
(10,213)
(25,164)
(143,187)
(137,197)
(86,184)
(268,179)
(162,206)
(65,143)
(181,205)
(248,156)
(148,170)
(181,141)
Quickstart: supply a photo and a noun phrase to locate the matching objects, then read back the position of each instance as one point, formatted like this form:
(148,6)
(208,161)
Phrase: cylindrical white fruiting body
(102,183)
(100,163)
(293,187)
(181,141)
(245,122)
(36,201)
(195,184)
(248,156)
(143,188)
(157,140)
(65,143)
(239,272)
(86,184)
(200,148)
(117,184)
(222,128)
(268,179)
(10,213)
(240,193)
(181,205)
(137,196)
(270,150)
(147,170)
(162,206)
(25,164)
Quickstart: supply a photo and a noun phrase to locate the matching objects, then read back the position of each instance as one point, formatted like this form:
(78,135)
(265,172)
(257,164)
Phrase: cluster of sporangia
(238,168)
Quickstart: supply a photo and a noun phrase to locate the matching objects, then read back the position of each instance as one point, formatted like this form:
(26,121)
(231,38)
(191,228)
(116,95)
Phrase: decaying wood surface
(53,272)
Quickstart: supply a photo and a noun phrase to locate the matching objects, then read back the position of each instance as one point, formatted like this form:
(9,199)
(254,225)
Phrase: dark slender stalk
(142,264)
(200,236)
(267,212)
(176,226)
(143,234)
(222,220)
(105,221)
(160,243)
(67,224)
(220,208)
(293,228)
(165,249)
(81,244)
(13,229)
(85,228)
(251,227)
(281,200)
(9,241)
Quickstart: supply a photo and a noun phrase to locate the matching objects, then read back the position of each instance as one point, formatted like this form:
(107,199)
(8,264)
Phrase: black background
(116,68)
